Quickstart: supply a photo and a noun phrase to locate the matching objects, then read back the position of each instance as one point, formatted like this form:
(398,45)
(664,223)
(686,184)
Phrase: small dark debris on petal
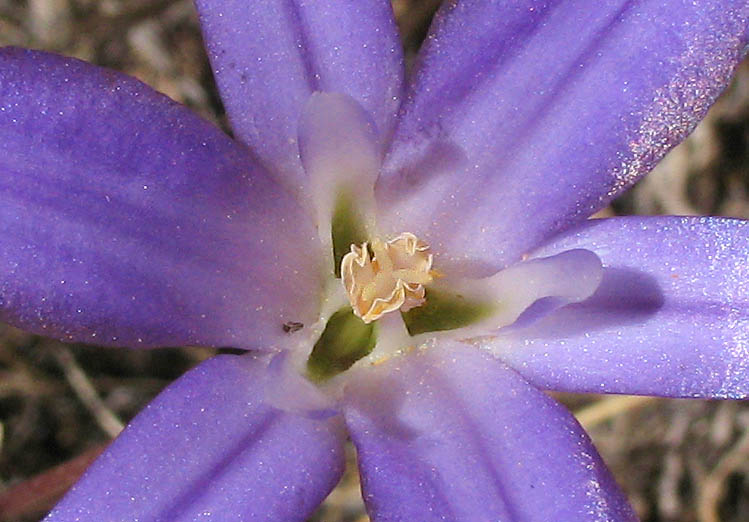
(292,326)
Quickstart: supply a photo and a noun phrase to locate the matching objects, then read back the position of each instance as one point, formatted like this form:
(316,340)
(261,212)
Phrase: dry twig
(105,418)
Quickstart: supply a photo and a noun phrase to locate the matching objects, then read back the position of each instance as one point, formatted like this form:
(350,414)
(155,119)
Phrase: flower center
(380,277)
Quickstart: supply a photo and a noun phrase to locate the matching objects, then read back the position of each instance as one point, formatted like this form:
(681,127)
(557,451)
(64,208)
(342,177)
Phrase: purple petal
(453,434)
(127,220)
(268,57)
(526,117)
(209,448)
(671,317)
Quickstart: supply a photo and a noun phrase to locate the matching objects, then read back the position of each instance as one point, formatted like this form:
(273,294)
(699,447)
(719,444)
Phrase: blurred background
(677,460)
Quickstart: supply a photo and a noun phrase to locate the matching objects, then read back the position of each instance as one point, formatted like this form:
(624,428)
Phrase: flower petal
(450,433)
(127,220)
(208,447)
(526,117)
(268,57)
(671,317)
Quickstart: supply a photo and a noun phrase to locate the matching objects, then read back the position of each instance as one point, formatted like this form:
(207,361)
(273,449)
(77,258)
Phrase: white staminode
(392,278)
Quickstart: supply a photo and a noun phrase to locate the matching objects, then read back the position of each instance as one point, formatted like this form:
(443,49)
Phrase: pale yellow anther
(393,278)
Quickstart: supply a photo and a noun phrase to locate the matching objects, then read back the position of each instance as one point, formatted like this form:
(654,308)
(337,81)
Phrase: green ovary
(345,340)
(381,277)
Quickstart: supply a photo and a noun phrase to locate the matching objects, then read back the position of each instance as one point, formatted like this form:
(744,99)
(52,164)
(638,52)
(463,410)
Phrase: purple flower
(454,206)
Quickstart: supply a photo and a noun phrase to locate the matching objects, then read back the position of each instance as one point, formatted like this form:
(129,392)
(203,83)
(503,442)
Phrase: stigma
(381,277)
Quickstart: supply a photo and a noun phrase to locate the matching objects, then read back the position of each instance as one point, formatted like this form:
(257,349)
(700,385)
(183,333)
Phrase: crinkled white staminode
(393,278)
